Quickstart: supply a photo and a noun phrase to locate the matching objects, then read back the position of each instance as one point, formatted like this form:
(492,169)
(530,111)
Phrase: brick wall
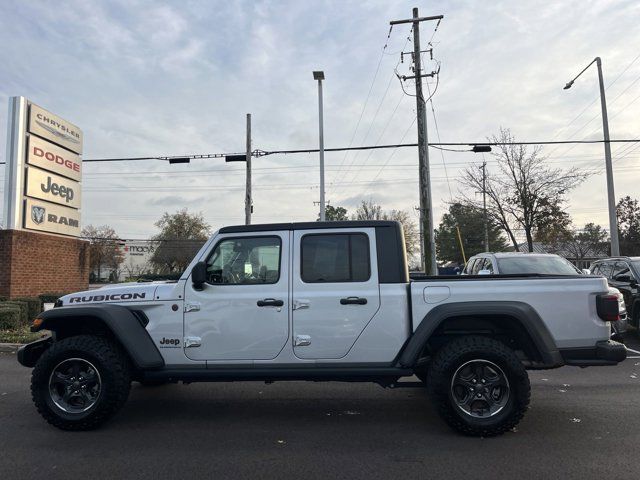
(35,263)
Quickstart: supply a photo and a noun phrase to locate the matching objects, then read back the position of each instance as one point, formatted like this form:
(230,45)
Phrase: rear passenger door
(335,290)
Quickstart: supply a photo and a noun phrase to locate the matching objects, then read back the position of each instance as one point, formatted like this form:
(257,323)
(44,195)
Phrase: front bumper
(606,352)
(28,354)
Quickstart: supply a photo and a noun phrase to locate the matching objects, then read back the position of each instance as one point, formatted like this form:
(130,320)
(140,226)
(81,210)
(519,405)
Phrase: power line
(262,153)
(366,102)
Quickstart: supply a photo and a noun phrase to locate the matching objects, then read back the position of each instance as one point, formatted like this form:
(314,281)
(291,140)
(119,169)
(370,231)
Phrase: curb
(9,347)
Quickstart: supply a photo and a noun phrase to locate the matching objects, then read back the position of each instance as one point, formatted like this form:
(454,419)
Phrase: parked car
(548,263)
(623,273)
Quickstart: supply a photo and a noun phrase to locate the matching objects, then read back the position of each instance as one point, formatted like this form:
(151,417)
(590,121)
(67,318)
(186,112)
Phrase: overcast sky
(171,78)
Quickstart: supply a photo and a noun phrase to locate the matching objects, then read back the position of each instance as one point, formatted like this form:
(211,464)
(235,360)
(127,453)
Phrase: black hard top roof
(264,227)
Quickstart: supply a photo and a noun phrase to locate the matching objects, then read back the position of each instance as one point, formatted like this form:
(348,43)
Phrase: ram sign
(49,217)
(44,170)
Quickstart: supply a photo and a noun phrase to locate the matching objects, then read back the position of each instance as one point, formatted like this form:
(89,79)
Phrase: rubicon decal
(115,297)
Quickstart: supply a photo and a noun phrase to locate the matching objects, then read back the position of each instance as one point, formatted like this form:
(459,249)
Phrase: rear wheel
(479,386)
(80,382)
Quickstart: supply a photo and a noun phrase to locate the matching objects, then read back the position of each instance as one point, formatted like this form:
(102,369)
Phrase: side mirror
(199,275)
(586,271)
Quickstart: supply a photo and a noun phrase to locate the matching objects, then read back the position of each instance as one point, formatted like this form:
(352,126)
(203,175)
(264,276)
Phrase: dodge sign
(53,158)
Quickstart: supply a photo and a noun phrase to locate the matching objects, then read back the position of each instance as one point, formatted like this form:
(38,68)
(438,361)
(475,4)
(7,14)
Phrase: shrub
(34,306)
(3,299)
(50,297)
(9,318)
(22,306)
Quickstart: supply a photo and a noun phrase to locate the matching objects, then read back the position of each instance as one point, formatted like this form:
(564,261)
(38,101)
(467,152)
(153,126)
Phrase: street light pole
(611,198)
(484,206)
(319,75)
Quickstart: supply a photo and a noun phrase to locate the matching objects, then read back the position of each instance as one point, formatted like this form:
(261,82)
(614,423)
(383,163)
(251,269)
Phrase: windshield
(534,264)
(636,264)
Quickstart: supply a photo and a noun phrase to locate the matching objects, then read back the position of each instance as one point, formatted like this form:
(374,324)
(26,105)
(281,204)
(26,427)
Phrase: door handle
(270,302)
(353,301)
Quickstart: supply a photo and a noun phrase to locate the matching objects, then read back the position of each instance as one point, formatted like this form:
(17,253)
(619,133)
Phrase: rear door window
(335,258)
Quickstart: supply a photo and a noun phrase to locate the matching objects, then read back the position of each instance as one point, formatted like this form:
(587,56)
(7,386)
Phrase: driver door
(241,313)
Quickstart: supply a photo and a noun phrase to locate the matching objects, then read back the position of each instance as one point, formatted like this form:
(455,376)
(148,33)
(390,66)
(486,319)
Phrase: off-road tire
(465,349)
(114,371)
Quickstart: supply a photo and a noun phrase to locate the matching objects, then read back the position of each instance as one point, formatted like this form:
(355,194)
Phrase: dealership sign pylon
(43,172)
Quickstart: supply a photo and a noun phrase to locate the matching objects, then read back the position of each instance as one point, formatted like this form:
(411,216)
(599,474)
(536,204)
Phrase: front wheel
(479,386)
(80,382)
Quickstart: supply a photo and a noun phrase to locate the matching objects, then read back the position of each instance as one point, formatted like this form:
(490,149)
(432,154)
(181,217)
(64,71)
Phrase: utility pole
(426,211)
(484,206)
(319,76)
(248,204)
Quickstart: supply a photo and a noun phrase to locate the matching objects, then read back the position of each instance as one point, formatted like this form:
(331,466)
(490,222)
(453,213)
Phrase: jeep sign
(52,187)
(50,157)
(55,129)
(48,217)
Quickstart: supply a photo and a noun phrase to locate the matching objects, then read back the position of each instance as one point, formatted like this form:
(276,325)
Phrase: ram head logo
(37,214)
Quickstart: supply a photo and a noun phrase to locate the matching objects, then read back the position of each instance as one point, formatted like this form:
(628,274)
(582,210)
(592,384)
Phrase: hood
(120,292)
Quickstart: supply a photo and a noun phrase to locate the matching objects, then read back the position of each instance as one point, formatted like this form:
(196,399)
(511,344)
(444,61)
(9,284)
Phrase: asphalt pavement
(582,424)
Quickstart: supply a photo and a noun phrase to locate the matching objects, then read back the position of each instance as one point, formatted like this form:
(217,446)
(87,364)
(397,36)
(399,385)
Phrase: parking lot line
(632,350)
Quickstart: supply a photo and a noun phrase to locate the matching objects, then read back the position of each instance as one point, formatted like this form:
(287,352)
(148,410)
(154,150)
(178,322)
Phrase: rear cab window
(335,257)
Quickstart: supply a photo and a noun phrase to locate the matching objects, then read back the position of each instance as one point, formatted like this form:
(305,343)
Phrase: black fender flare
(521,312)
(119,320)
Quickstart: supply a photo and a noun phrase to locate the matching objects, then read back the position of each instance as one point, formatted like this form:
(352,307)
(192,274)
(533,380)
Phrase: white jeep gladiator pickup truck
(328,301)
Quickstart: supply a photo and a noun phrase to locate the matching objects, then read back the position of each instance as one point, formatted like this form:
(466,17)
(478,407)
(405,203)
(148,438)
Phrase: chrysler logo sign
(60,134)
(55,129)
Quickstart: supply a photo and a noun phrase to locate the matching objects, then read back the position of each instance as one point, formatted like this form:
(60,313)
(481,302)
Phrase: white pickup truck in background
(323,302)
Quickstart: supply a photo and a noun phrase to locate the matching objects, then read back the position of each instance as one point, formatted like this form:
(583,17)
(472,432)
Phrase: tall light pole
(613,222)
(319,76)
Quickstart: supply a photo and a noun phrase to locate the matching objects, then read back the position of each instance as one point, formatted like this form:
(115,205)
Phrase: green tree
(470,220)
(628,213)
(181,235)
(591,241)
(104,249)
(334,214)
(368,210)
(553,226)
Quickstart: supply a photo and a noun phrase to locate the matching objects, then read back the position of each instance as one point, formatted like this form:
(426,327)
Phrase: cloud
(158,78)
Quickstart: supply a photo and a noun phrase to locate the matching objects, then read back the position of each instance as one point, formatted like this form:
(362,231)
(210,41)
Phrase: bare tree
(524,192)
(368,210)
(104,249)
